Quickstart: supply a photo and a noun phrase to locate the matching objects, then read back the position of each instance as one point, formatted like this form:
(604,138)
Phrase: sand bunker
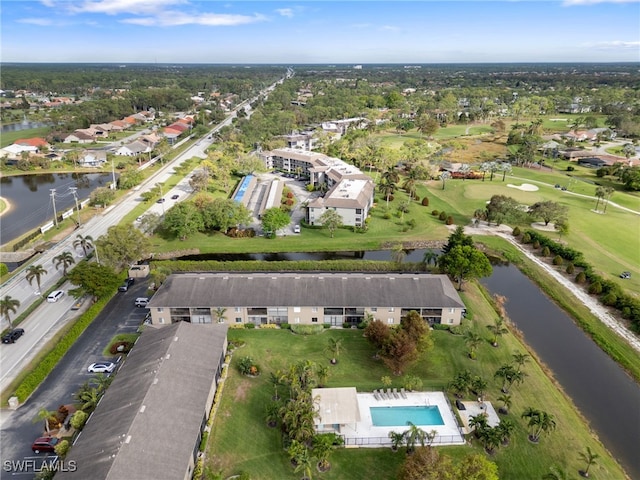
(525,187)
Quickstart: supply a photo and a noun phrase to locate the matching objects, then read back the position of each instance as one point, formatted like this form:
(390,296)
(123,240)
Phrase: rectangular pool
(399,416)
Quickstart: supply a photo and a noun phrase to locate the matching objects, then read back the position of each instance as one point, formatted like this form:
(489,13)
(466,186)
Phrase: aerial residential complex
(350,192)
(304,298)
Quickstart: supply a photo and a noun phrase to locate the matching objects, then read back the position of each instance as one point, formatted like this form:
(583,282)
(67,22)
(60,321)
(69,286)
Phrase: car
(139,219)
(160,200)
(564,189)
(44,444)
(141,302)
(296,229)
(557,185)
(55,296)
(175,197)
(127,283)
(101,367)
(625,275)
(13,335)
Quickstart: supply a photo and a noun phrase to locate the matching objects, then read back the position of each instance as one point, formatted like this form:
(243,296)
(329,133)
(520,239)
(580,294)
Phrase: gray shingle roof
(306,289)
(146,425)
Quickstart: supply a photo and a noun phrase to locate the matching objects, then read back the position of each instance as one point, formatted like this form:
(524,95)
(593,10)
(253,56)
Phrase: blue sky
(186,31)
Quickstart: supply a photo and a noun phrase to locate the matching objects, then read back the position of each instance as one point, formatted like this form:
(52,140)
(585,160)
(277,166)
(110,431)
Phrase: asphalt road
(18,427)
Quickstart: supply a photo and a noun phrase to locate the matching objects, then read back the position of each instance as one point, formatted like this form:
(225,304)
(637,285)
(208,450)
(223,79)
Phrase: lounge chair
(402,393)
(389,394)
(375,395)
(395,393)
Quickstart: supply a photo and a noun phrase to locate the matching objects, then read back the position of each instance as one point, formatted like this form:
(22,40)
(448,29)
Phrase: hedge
(48,363)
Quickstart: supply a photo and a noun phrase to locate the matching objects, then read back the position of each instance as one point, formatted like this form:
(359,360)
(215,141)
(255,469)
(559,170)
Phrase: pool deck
(365,434)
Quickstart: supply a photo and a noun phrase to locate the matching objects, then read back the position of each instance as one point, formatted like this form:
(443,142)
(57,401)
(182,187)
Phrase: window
(374,309)
(451,310)
(358,211)
(238,319)
(314,309)
(297,319)
(161,320)
(451,320)
(238,309)
(296,309)
(314,319)
(160,309)
(390,320)
(392,309)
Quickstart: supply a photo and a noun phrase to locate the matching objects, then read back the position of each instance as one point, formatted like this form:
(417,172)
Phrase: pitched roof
(34,142)
(307,289)
(147,424)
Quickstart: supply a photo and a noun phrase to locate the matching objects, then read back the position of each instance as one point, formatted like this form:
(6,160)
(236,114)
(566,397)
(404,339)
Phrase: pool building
(365,419)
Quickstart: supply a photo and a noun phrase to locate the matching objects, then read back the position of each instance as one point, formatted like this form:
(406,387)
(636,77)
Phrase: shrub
(62,448)
(120,347)
(306,329)
(570,268)
(440,326)
(78,419)
(557,260)
(516,232)
(526,238)
(386,215)
(268,326)
(391,198)
(412,223)
(416,198)
(570,168)
(249,326)
(442,216)
(425,202)
(285,326)
(545,251)
(581,277)
(449,220)
(346,325)
(203,441)
(435,213)
(536,244)
(289,194)
(245,364)
(595,288)
(609,299)
(3,269)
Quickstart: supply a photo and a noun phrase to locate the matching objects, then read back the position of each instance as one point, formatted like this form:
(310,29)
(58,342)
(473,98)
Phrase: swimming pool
(400,416)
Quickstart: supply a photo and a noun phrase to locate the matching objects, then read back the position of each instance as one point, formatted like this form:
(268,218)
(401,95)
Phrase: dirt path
(594,306)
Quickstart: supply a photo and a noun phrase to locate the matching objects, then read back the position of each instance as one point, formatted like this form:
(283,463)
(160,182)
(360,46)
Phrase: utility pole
(53,201)
(75,197)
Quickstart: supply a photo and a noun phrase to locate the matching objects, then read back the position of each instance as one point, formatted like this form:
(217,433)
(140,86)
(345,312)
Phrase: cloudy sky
(307,31)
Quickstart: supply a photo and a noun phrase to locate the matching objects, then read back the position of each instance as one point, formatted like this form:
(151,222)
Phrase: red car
(44,444)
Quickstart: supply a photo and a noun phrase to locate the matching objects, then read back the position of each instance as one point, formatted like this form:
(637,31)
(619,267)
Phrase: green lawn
(8,138)
(241,441)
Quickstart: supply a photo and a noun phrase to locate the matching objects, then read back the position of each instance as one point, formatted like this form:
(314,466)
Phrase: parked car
(141,302)
(296,229)
(160,200)
(127,283)
(44,444)
(625,275)
(13,335)
(55,296)
(175,197)
(101,367)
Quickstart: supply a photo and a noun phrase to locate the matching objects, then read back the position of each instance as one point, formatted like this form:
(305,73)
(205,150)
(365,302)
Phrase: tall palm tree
(398,253)
(478,423)
(86,243)
(397,439)
(8,305)
(65,259)
(35,272)
(505,398)
(608,192)
(600,193)
(589,457)
(444,176)
(430,257)
(48,417)
(479,385)
(473,341)
(505,428)
(539,422)
(520,359)
(89,399)
(387,188)
(498,329)
(491,438)
(506,372)
(414,435)
(304,463)
(336,348)
(220,314)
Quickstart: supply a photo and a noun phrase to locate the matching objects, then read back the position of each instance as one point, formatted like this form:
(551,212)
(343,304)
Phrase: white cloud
(114,7)
(175,18)
(43,22)
(616,44)
(285,12)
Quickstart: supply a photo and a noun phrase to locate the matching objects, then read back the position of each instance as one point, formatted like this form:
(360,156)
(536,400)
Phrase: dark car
(125,286)
(44,444)
(175,197)
(160,200)
(13,335)
(625,275)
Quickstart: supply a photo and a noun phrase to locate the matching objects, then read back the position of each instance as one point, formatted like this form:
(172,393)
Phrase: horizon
(319,32)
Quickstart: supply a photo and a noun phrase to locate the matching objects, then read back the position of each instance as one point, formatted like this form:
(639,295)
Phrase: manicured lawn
(241,441)
(9,137)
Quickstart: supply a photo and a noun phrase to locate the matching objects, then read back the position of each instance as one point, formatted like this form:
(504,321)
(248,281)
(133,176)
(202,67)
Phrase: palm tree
(479,385)
(520,359)
(398,253)
(589,457)
(276,379)
(505,398)
(444,176)
(101,381)
(414,435)
(473,341)
(322,372)
(507,373)
(323,446)
(498,329)
(387,188)
(539,422)
(304,463)
(49,418)
(505,428)
(8,305)
(35,272)
(479,423)
(65,259)
(491,438)
(600,193)
(461,383)
(430,257)
(397,439)
(220,314)
(335,347)
(86,243)
(272,414)
(89,399)
(556,473)
(608,192)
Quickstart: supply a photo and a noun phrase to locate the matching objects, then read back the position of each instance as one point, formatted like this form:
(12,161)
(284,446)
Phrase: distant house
(301,140)
(171,134)
(119,125)
(14,152)
(132,149)
(592,162)
(150,420)
(93,158)
(79,137)
(33,142)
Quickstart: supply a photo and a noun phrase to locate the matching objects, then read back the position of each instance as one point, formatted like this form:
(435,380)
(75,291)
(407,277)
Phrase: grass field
(8,138)
(241,441)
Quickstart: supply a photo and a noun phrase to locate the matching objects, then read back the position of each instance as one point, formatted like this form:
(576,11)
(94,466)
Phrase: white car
(55,296)
(101,367)
(296,229)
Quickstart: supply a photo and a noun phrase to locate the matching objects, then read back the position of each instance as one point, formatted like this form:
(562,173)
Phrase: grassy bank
(258,450)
